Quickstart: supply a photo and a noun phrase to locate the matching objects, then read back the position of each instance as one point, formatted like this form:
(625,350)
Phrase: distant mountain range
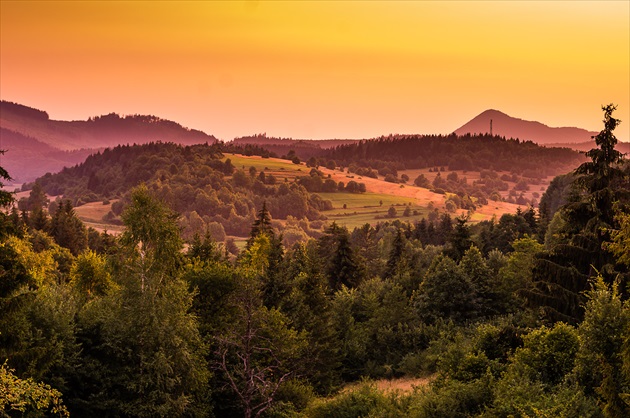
(35,144)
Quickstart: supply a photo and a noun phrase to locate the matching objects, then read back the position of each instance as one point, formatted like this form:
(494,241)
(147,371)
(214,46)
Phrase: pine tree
(6,198)
(262,225)
(338,257)
(562,274)
(396,255)
(67,229)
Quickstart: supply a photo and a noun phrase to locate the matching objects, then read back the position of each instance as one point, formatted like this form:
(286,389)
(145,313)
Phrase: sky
(319,69)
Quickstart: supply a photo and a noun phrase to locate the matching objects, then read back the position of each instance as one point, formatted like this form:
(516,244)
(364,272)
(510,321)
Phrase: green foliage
(6,198)
(620,245)
(599,173)
(151,239)
(548,355)
(257,351)
(562,275)
(89,275)
(27,397)
(338,258)
(454,398)
(309,309)
(517,274)
(376,326)
(143,354)
(364,401)
(446,293)
(604,336)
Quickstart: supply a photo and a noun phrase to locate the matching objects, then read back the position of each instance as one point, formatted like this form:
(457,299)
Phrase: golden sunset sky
(319,69)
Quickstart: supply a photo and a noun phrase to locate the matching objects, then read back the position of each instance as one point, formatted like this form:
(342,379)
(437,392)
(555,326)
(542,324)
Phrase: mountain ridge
(98,131)
(526,130)
(36,144)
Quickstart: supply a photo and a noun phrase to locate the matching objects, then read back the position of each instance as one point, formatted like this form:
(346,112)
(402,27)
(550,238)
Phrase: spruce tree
(262,225)
(561,275)
(396,255)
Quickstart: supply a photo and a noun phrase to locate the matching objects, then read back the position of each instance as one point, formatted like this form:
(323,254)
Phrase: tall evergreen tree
(262,225)
(66,228)
(396,255)
(6,198)
(337,255)
(561,275)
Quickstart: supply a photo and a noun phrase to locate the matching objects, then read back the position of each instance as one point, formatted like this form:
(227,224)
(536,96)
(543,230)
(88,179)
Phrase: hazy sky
(319,69)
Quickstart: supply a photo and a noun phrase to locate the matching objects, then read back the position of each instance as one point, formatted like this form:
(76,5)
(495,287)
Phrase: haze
(319,69)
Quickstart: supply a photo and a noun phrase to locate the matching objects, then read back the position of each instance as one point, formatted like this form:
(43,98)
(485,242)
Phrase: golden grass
(403,384)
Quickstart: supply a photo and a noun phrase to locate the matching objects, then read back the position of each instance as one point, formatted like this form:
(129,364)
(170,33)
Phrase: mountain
(35,144)
(97,132)
(510,127)
(27,158)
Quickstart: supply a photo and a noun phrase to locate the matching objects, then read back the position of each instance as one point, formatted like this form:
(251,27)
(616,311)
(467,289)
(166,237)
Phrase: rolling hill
(35,144)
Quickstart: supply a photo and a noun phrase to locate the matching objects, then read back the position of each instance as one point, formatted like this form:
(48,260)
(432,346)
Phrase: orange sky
(319,69)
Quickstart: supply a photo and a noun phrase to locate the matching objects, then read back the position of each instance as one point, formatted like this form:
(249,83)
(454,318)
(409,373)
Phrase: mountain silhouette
(511,127)
(36,145)
(97,132)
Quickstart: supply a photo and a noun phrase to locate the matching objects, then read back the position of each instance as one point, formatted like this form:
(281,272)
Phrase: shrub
(364,401)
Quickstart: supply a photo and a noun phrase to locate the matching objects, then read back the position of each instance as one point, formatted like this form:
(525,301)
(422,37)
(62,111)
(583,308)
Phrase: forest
(527,315)
(466,152)
(192,180)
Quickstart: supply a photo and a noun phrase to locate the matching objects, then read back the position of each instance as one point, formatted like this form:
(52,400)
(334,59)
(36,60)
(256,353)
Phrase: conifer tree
(262,225)
(396,255)
(561,275)
(337,254)
(6,198)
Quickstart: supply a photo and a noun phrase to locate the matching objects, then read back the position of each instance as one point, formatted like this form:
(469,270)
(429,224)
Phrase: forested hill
(468,152)
(303,148)
(192,180)
(97,132)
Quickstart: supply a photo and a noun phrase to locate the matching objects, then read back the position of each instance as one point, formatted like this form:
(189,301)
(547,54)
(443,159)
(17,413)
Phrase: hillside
(511,127)
(303,148)
(98,132)
(37,145)
(467,152)
(196,181)
(623,147)
(27,158)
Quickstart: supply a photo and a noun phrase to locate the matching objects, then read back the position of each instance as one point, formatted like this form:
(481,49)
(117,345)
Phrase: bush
(452,398)
(364,401)
(391,178)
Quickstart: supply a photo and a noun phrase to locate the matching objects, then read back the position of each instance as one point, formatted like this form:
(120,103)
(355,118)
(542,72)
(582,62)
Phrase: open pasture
(367,208)
(280,169)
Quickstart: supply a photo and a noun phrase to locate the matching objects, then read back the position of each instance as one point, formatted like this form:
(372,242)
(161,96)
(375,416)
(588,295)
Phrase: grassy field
(281,169)
(92,215)
(472,176)
(404,384)
(366,208)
